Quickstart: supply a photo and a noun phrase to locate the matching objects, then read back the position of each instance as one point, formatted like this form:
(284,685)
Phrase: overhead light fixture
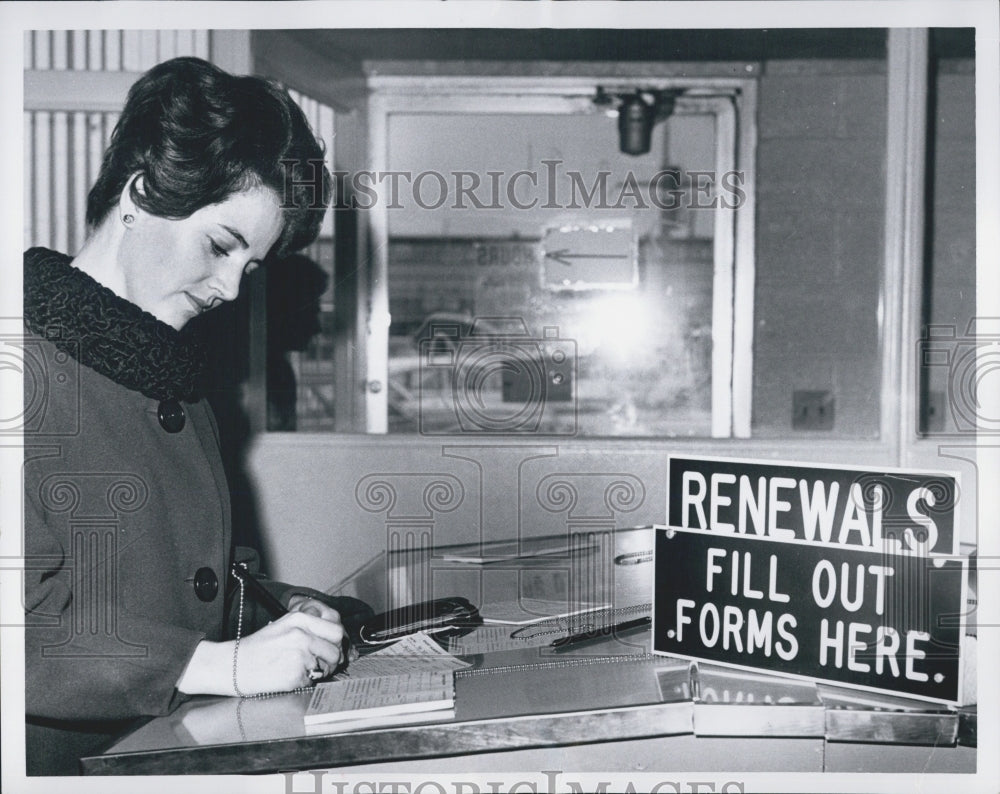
(635,124)
(638,113)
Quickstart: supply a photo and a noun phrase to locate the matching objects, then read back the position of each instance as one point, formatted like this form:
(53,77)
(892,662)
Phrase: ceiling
(355,46)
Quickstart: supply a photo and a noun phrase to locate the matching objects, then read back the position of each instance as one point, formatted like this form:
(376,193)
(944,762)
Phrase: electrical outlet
(812,410)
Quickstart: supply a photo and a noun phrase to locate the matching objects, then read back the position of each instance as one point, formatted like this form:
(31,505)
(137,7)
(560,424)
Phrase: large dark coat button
(171,416)
(206,584)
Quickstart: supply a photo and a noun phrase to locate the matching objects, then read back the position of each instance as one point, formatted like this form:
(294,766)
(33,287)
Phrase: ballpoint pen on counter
(601,632)
(634,557)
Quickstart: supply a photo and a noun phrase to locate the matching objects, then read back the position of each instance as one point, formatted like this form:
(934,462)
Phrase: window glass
(568,290)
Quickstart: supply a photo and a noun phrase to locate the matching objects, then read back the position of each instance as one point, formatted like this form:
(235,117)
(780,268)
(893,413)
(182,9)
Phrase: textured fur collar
(107,333)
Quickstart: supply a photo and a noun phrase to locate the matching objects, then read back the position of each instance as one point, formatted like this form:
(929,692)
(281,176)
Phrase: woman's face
(176,269)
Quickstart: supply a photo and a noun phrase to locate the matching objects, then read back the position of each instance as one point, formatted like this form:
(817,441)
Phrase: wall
(64,143)
(321,526)
(951,266)
(820,207)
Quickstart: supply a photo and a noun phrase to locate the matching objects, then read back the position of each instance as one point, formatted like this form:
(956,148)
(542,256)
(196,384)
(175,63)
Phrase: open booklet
(371,701)
(409,681)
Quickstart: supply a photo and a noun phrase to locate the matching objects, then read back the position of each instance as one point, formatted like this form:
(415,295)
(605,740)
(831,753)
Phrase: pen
(277,610)
(634,557)
(268,601)
(602,631)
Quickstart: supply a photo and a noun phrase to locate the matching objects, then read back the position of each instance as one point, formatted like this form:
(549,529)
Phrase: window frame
(734,103)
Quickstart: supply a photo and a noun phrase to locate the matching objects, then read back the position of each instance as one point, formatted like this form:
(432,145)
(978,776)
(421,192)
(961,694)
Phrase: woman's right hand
(278,658)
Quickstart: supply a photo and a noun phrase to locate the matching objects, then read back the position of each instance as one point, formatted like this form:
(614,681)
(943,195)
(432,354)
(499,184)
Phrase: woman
(127,524)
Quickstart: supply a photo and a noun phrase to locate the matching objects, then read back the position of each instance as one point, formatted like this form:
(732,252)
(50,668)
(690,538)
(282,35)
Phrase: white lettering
(718,500)
(826,642)
(888,545)
(772,588)
(859,590)
(854,645)
(855,518)
(929,542)
(880,572)
(732,622)
(752,505)
(693,499)
(824,567)
(748,591)
(886,645)
(682,619)
(712,568)
(912,654)
(709,640)
(776,505)
(818,509)
(759,632)
(789,653)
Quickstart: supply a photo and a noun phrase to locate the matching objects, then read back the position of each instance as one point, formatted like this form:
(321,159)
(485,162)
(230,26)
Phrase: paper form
(414,653)
(358,698)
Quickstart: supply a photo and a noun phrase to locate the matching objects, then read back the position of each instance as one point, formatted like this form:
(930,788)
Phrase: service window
(548,274)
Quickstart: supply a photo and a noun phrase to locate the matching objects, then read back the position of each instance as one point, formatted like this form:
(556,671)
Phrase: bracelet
(236,660)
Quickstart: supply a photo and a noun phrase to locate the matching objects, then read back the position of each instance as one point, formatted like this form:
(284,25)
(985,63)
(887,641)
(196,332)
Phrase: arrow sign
(597,255)
(563,256)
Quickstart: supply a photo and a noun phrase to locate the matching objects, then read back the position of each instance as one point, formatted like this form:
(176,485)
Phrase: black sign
(889,622)
(899,511)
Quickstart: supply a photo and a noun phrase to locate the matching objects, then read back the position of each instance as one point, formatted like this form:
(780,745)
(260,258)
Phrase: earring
(128,218)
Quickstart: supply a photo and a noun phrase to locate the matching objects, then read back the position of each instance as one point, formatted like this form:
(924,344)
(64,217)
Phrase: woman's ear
(128,210)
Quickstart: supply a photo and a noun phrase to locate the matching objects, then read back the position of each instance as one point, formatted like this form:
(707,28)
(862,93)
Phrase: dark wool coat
(126,525)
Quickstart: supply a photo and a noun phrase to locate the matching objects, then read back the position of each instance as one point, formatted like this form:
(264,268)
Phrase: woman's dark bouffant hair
(198,134)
